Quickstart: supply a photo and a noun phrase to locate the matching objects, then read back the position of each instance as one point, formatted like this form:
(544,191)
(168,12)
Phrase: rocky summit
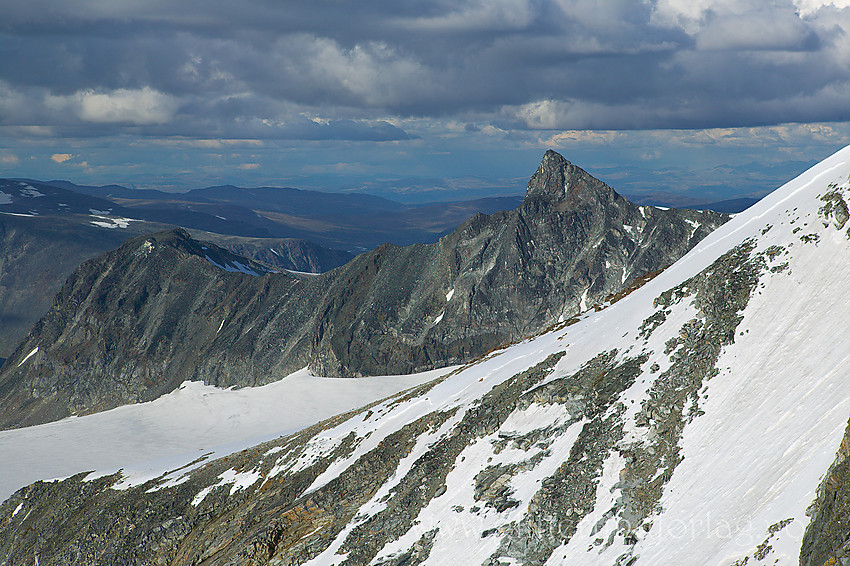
(698,419)
(135,323)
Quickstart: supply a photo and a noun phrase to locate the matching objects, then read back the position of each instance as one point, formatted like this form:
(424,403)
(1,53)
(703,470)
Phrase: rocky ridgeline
(47,232)
(135,323)
(280,254)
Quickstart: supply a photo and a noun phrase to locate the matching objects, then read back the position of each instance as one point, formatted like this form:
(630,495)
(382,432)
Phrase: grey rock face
(136,322)
(827,538)
(39,252)
(280,253)
(497,278)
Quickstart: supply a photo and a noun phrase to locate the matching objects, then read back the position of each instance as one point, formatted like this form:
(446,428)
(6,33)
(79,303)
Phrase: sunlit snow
(150,438)
(773,418)
(28,356)
(111,221)
(31,192)
(233,267)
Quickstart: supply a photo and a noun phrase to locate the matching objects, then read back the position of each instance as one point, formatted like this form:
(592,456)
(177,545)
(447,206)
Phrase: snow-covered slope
(691,422)
(146,439)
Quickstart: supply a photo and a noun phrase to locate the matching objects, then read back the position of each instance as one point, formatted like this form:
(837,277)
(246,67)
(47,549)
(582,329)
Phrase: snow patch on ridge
(233,267)
(237,480)
(30,192)
(28,356)
(111,221)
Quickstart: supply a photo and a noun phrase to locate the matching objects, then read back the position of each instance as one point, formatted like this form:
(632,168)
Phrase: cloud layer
(369,70)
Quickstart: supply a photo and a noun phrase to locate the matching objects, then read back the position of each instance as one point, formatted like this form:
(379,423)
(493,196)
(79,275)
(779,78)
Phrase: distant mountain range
(51,227)
(354,222)
(48,229)
(348,221)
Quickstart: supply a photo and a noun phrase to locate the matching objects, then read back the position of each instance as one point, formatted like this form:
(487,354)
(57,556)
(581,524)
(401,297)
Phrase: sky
(683,100)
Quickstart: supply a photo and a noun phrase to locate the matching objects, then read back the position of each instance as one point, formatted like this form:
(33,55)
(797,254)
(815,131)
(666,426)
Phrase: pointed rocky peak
(558,179)
(178,238)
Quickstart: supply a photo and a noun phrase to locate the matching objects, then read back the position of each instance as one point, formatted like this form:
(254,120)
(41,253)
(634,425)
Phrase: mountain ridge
(38,252)
(493,280)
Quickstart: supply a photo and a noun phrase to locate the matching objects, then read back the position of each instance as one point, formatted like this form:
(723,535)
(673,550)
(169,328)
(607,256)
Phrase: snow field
(149,439)
(461,531)
(461,390)
(30,192)
(377,503)
(237,481)
(233,267)
(111,222)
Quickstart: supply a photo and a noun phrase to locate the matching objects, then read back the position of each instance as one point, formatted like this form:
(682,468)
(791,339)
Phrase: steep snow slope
(690,422)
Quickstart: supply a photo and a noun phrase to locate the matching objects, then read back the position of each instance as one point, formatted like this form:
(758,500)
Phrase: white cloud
(9,159)
(33,132)
(142,107)
(61,157)
(575,115)
(353,73)
(372,73)
(478,14)
(581,138)
(808,7)
(769,22)
(249,166)
(690,15)
(543,114)
(203,143)
(782,135)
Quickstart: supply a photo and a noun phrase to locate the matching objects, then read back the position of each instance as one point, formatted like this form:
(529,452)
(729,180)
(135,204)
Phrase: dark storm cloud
(339,70)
